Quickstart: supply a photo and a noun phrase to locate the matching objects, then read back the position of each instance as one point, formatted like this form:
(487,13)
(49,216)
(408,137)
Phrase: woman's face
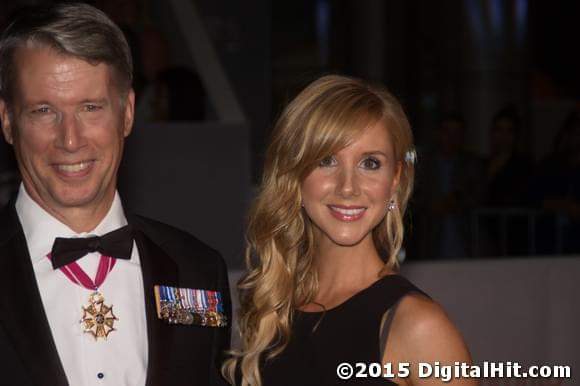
(347,194)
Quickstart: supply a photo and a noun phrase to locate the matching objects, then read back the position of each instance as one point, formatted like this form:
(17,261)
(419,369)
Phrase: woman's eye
(327,162)
(370,163)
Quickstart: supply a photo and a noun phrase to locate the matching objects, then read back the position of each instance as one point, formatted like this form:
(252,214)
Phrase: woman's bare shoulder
(422,332)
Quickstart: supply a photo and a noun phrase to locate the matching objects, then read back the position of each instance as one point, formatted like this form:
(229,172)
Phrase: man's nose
(70,133)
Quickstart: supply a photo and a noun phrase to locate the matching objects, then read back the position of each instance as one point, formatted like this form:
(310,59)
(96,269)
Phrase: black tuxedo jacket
(179,355)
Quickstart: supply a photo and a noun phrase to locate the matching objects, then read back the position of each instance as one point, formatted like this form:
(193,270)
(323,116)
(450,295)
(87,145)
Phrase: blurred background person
(178,95)
(507,169)
(557,190)
(508,172)
(450,183)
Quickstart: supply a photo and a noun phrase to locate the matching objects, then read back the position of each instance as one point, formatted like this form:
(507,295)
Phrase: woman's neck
(344,271)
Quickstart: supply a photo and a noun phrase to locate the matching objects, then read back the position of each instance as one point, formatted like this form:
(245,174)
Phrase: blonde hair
(325,117)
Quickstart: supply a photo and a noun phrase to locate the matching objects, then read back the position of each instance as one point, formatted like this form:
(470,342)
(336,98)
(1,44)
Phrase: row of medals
(174,313)
(98,318)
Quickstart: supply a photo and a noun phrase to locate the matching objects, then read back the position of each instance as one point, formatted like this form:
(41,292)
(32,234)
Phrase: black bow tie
(117,244)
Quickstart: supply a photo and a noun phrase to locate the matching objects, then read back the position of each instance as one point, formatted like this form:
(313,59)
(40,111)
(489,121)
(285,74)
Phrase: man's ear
(129,113)
(6,123)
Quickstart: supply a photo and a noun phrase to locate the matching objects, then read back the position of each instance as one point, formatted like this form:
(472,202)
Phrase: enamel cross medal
(98,318)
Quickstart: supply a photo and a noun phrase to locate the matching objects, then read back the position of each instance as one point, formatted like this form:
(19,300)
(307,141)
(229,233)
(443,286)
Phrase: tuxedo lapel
(23,316)
(157,268)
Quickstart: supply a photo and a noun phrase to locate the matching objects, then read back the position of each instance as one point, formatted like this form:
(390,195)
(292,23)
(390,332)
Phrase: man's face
(67,123)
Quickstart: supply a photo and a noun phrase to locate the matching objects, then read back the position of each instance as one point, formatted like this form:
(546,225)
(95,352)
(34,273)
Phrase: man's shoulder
(176,242)
(163,233)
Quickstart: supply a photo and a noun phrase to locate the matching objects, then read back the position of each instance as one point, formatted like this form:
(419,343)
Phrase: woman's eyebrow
(376,152)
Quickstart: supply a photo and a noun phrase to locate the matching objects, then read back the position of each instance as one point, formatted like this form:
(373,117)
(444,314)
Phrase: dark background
(461,58)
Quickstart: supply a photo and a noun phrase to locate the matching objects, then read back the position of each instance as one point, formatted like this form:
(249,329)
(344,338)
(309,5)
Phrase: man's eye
(41,110)
(91,107)
(370,163)
(327,162)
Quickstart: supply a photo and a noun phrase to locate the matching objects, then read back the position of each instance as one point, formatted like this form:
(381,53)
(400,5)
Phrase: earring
(391,205)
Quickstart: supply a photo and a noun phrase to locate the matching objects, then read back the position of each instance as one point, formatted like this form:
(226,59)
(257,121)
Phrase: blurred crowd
(165,91)
(499,205)
(504,204)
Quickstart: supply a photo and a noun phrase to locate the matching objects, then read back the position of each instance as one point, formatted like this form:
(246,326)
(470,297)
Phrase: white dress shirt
(121,359)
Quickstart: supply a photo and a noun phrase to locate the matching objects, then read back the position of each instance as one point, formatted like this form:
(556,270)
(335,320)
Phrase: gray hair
(77,29)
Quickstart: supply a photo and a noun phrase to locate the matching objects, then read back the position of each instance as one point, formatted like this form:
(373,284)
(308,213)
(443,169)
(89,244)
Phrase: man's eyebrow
(97,101)
(37,103)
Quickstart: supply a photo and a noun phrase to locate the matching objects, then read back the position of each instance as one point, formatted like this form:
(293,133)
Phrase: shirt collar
(41,228)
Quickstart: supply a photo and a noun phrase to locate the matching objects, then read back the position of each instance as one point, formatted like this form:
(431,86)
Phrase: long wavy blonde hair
(325,117)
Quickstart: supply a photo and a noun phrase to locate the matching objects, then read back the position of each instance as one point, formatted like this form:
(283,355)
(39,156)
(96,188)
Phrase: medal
(98,318)
(190,306)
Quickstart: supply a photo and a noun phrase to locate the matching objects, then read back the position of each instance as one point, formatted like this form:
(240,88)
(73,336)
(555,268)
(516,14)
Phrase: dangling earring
(391,205)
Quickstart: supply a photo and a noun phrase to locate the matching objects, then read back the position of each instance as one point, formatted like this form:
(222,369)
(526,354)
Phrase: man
(142,303)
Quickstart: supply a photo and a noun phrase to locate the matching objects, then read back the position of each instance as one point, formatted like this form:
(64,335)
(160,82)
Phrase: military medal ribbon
(98,319)
(190,306)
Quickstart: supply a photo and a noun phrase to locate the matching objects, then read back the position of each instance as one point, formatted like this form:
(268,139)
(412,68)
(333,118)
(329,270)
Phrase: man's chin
(75,199)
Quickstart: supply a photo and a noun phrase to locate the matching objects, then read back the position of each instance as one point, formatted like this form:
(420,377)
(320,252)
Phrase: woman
(338,174)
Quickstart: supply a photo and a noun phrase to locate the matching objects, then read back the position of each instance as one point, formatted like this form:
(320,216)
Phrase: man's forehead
(38,80)
(35,46)
(49,64)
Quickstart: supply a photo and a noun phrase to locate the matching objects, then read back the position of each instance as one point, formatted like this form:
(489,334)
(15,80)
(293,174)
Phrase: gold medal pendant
(98,318)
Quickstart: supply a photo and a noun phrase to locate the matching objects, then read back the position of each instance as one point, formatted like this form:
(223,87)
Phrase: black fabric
(350,333)
(117,244)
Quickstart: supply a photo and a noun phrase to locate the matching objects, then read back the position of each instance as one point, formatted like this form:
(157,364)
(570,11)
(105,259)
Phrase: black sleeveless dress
(349,332)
